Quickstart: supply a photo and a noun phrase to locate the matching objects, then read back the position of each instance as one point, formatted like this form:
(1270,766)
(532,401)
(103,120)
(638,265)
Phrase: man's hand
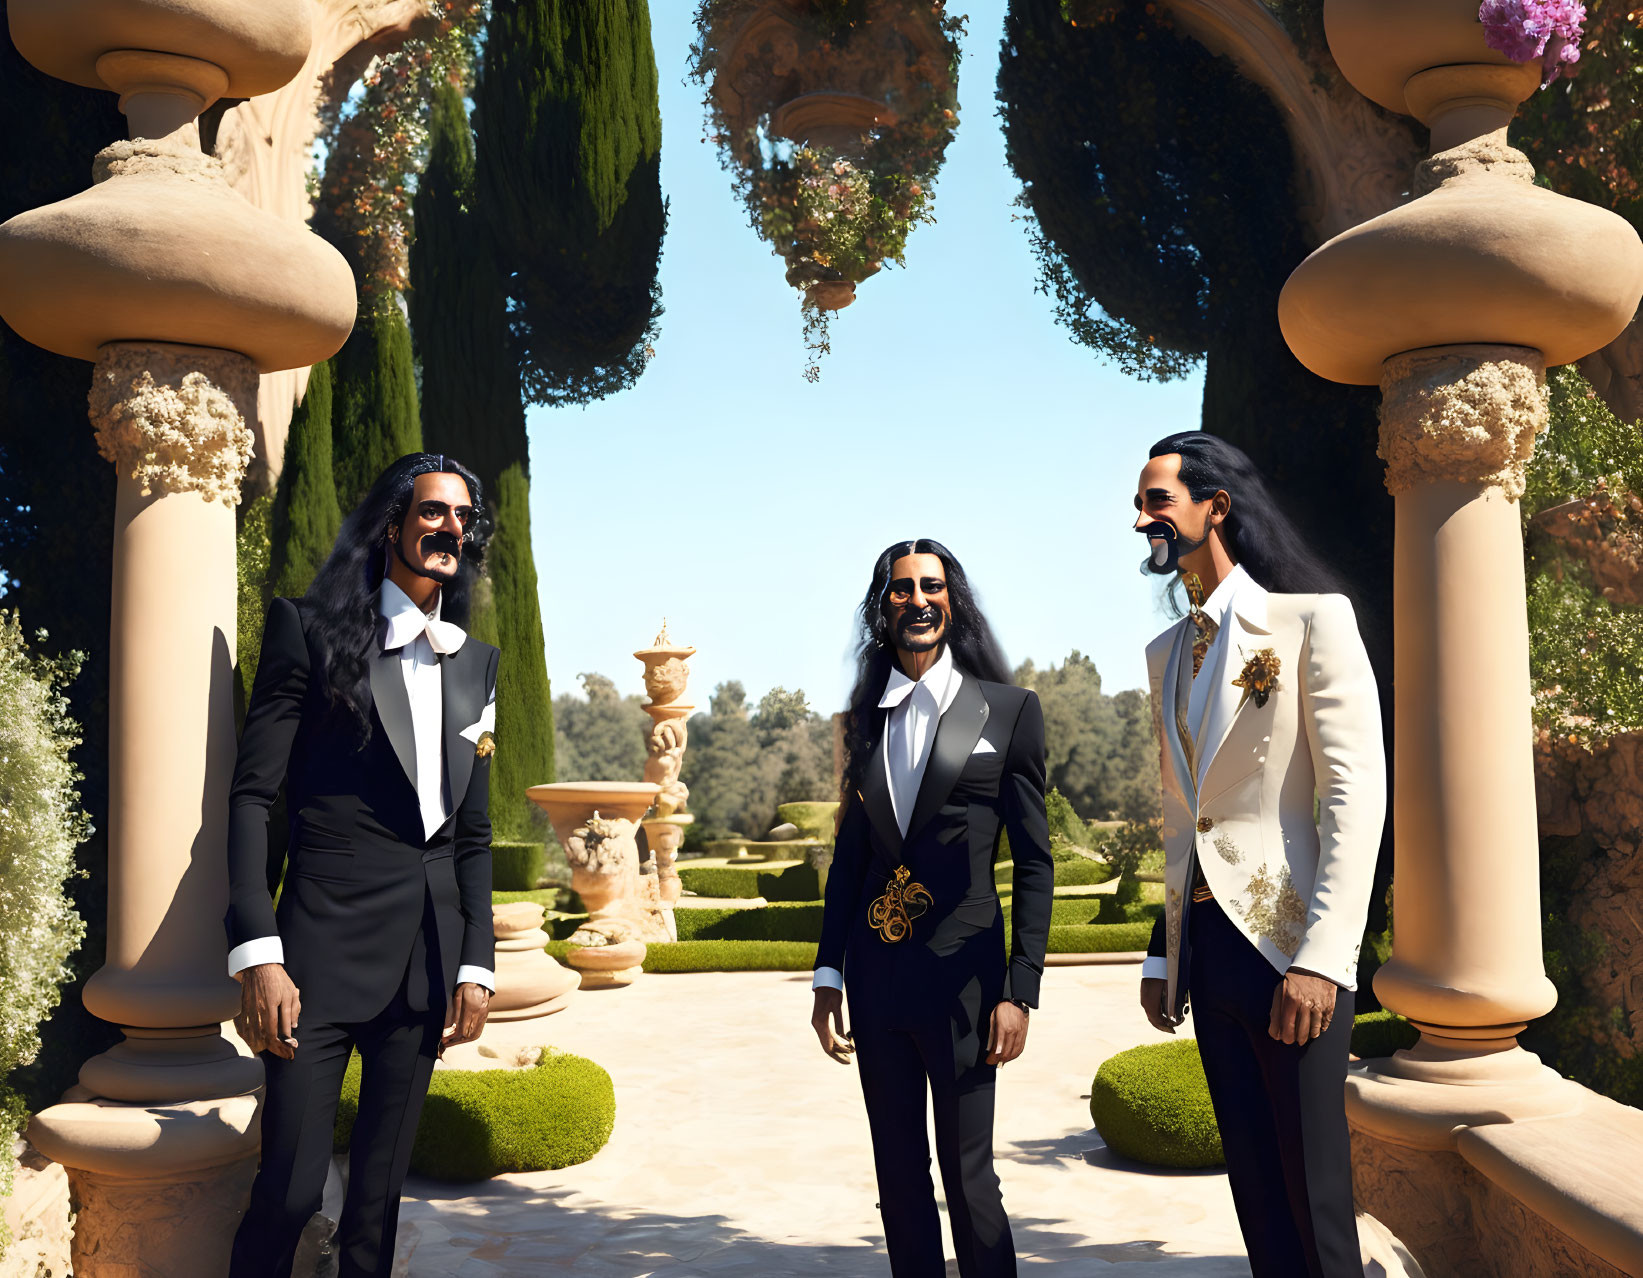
(269,1008)
(1303,1005)
(469,1009)
(827,1019)
(1008,1034)
(1154,998)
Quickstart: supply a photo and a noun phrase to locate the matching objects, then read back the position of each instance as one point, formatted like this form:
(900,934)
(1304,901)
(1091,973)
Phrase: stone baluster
(180,293)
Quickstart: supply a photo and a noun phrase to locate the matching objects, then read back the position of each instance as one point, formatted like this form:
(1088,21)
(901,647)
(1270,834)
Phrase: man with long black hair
(1274,783)
(942,754)
(374,709)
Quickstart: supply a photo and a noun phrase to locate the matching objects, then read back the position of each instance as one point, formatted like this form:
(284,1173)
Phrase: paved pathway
(741,1151)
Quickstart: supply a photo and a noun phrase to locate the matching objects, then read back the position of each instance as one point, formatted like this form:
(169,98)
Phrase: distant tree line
(743,760)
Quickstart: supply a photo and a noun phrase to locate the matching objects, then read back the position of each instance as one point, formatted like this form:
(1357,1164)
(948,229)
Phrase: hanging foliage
(833,118)
(375,142)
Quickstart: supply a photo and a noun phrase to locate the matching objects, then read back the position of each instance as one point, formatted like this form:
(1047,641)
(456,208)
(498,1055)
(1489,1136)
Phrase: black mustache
(442,542)
(921,616)
(1159,528)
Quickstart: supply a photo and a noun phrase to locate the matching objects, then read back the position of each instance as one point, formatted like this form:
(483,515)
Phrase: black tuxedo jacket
(952,967)
(359,874)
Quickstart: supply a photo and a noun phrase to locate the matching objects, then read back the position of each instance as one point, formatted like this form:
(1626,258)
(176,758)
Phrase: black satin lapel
(459,673)
(956,735)
(393,706)
(875,796)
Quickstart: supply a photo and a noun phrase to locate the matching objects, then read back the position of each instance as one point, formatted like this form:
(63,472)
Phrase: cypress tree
(569,185)
(306,515)
(472,406)
(374,402)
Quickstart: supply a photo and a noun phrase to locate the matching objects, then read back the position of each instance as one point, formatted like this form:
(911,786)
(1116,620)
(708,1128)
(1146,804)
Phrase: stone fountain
(597,823)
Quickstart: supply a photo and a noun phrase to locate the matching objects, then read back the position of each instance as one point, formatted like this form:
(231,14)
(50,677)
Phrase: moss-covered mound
(481,1123)
(815,820)
(1381,1033)
(517,867)
(1152,1104)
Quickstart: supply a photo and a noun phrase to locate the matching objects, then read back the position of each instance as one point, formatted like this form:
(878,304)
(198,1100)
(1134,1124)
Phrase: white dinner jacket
(1296,884)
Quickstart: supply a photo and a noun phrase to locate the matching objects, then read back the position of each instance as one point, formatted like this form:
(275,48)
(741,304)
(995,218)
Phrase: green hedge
(517,867)
(481,1123)
(1100,938)
(1151,1104)
(779,921)
(547,898)
(1381,1033)
(795,883)
(718,956)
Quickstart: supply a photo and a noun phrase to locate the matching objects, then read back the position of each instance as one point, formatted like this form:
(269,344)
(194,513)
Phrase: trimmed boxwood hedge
(815,820)
(718,956)
(1151,1104)
(778,921)
(1381,1033)
(481,1123)
(795,883)
(1100,938)
(517,867)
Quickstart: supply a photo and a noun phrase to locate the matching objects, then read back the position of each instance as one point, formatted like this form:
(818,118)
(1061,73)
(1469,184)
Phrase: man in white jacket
(1274,781)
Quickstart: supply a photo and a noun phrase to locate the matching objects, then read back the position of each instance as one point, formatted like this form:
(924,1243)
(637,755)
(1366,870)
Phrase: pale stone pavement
(740,1151)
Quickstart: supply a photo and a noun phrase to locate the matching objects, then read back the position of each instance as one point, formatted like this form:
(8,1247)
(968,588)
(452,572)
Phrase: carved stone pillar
(181,294)
(1456,303)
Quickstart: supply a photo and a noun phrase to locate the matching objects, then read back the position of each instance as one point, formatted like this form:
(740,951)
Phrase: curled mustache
(442,542)
(927,615)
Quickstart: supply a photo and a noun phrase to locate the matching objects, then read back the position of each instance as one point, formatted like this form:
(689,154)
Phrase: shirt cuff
(468,974)
(265,949)
(1155,967)
(827,978)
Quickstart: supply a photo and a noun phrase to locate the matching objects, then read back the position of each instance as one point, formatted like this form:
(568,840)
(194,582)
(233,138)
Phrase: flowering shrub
(41,823)
(1525,30)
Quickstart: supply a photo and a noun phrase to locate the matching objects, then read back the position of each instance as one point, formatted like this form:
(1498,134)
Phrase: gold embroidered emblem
(1172,928)
(1205,825)
(892,915)
(1259,678)
(1275,910)
(486,747)
(1228,850)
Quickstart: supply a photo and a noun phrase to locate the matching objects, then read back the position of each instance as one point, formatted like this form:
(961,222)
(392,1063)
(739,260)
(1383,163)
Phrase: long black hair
(340,607)
(969,636)
(1258,535)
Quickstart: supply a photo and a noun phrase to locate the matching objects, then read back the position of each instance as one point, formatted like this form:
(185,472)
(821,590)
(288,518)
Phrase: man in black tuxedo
(942,755)
(374,709)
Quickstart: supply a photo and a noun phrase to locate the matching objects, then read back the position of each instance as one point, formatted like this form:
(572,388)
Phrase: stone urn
(607,967)
(597,823)
(529,982)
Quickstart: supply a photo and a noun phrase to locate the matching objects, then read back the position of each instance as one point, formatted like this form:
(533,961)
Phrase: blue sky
(747,506)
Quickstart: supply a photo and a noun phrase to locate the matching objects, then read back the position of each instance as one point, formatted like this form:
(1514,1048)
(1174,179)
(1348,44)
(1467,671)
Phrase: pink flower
(1528,29)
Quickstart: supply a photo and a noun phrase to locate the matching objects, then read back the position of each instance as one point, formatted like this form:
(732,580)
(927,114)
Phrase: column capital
(173,417)
(1465,414)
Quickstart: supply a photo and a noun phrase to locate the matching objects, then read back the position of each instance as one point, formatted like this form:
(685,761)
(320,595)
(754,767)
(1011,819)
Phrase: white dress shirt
(421,638)
(915,709)
(1199,703)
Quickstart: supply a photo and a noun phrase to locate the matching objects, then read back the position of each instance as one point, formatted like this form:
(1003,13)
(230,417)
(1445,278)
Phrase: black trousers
(397,1050)
(899,1070)
(1281,1109)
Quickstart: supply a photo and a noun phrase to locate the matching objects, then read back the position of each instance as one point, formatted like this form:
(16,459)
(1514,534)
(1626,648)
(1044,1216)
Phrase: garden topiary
(1151,1104)
(517,867)
(815,820)
(481,1123)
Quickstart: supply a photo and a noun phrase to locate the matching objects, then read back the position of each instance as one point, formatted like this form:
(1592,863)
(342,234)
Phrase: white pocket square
(984,746)
(485,723)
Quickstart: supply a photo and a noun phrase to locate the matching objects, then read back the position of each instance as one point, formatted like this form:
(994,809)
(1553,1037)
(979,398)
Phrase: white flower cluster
(41,823)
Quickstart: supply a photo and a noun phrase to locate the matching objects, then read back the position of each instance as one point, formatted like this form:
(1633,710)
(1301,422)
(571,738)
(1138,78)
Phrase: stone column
(667,671)
(181,294)
(1456,304)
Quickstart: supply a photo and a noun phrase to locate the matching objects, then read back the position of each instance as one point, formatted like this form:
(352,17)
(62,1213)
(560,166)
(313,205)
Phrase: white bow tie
(444,637)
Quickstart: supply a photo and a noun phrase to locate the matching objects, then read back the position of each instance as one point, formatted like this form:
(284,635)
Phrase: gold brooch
(892,915)
(486,747)
(1259,679)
